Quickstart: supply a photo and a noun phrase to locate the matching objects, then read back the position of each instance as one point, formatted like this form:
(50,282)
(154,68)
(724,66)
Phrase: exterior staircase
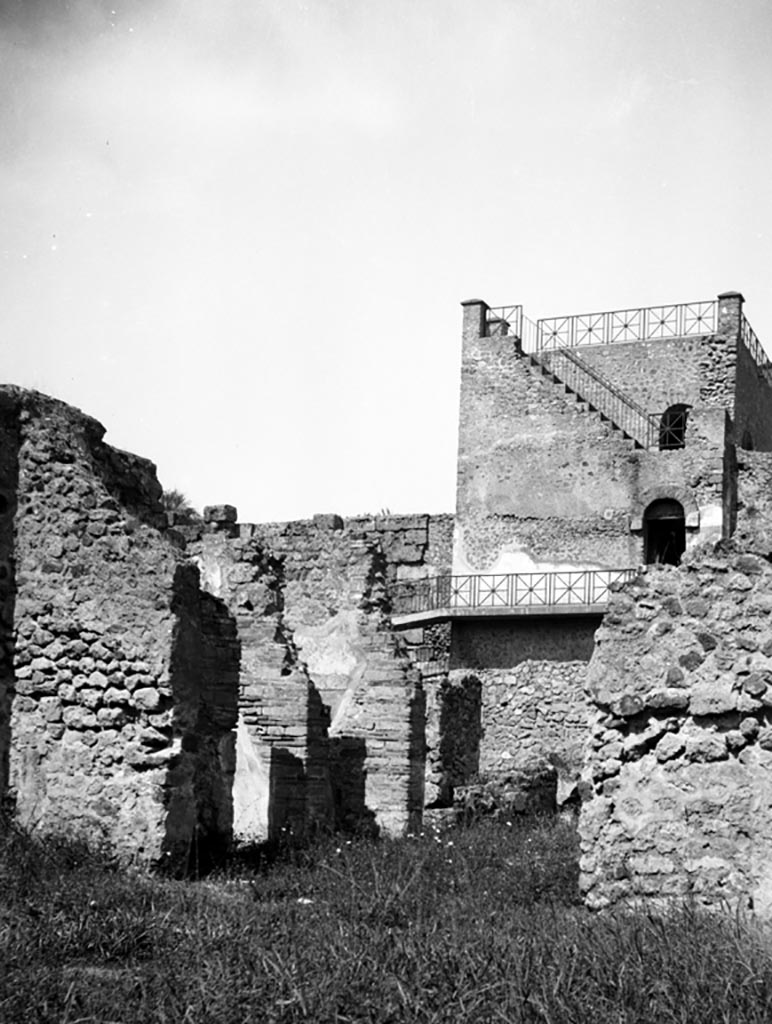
(598,393)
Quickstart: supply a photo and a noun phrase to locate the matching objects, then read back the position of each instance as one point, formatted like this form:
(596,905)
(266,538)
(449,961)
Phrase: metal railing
(510,590)
(503,320)
(510,321)
(669,427)
(754,347)
(678,321)
(603,395)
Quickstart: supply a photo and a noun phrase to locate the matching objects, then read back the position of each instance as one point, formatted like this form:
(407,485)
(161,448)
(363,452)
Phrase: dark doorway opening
(664,532)
(672,428)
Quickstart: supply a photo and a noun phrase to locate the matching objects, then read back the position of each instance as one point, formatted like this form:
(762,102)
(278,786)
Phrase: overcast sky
(238,233)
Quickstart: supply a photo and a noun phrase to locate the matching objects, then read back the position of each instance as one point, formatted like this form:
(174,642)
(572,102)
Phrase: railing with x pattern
(507,590)
(677,321)
(510,321)
(680,320)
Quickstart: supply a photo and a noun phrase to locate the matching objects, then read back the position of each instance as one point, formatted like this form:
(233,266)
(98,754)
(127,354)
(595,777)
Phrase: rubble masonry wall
(117,731)
(678,787)
(544,485)
(753,406)
(365,705)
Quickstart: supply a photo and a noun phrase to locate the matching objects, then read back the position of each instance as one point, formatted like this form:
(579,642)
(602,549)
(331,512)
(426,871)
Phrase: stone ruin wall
(588,489)
(281,778)
(584,478)
(657,373)
(118,695)
(584,507)
(512,709)
(532,674)
(164,686)
(357,748)
(678,777)
(753,407)
(587,492)
(516,425)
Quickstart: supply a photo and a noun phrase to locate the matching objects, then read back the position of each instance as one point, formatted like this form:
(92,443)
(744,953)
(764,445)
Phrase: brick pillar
(728,333)
(730,311)
(475,311)
(718,357)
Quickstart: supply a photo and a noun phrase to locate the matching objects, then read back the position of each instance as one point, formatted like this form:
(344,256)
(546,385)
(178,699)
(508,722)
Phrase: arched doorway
(672,428)
(664,532)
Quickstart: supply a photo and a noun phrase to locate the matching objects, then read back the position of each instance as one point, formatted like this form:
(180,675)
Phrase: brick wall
(351,746)
(282,779)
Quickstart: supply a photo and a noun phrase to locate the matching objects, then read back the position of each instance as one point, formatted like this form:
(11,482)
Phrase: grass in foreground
(480,924)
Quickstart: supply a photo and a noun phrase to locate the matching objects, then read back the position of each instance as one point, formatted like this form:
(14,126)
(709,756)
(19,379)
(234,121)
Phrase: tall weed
(480,924)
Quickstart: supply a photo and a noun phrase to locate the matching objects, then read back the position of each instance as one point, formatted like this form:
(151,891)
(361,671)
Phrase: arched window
(664,532)
(747,441)
(672,428)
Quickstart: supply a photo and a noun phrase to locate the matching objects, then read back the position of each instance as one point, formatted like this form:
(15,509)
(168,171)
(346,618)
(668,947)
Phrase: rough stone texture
(753,527)
(753,418)
(531,674)
(453,734)
(120,693)
(678,793)
(657,373)
(513,701)
(140,709)
(311,603)
(282,772)
(9,474)
(587,485)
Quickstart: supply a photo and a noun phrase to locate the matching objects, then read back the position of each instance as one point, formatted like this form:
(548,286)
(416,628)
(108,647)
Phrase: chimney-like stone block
(474,325)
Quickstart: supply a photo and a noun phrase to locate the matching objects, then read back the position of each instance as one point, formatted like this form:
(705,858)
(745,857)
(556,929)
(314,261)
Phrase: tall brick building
(588,446)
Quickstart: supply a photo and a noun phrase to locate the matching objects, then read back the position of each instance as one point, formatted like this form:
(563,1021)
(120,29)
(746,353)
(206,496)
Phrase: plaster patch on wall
(512,558)
(711,519)
(331,648)
(251,788)
(211,575)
